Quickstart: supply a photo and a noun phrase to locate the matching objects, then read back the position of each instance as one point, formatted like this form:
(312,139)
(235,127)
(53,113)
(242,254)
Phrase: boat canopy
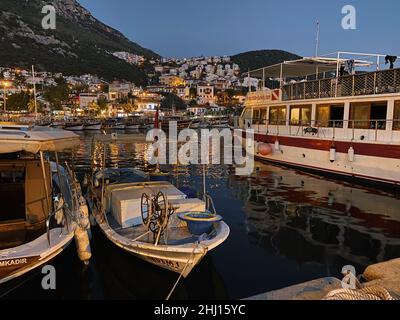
(32,139)
(304,67)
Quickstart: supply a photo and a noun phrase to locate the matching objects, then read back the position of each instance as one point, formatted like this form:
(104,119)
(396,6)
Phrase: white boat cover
(17,138)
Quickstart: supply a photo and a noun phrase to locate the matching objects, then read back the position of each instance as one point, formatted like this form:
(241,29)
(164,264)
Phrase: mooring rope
(366,293)
(184,269)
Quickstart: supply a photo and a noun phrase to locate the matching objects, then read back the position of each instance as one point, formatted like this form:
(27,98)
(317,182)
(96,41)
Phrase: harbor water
(287,227)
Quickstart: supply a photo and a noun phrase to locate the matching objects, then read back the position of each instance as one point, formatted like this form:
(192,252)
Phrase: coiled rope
(365,293)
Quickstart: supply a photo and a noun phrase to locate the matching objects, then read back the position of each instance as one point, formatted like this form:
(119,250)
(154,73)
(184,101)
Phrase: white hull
(133,127)
(180,259)
(75,128)
(39,250)
(372,168)
(118,127)
(93,126)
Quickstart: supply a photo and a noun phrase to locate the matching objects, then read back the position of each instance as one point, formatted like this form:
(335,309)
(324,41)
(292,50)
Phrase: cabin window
(300,115)
(263,116)
(330,115)
(12,193)
(256,116)
(396,124)
(368,115)
(277,115)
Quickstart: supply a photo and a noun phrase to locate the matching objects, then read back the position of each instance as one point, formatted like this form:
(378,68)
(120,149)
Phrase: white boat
(42,205)
(118,126)
(74,126)
(142,218)
(174,248)
(93,125)
(345,121)
(132,127)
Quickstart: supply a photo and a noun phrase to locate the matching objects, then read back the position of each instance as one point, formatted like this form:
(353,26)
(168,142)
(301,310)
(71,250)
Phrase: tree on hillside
(102,103)
(172,101)
(19,80)
(57,95)
(18,101)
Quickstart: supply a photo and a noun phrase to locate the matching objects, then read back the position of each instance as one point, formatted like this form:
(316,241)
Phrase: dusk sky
(184,28)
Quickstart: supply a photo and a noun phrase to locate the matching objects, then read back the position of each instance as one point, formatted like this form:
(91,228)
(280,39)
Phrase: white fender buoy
(277,145)
(332,154)
(351,154)
(83,245)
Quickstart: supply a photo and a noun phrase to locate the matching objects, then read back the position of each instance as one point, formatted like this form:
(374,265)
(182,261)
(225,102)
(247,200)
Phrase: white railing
(387,131)
(371,83)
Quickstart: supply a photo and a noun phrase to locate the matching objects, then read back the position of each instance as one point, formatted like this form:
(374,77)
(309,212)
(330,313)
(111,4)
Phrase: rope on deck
(363,294)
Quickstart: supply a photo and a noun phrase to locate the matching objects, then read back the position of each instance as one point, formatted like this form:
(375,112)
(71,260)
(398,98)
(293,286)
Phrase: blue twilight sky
(183,28)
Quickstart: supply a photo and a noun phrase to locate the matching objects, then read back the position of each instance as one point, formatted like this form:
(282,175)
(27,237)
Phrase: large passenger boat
(339,115)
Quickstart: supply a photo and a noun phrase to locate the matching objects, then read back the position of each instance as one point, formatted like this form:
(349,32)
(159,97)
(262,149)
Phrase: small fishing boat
(142,219)
(93,125)
(74,126)
(181,122)
(57,124)
(42,204)
(132,124)
(155,221)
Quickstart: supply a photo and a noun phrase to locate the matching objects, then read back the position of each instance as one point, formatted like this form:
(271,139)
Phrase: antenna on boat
(317,39)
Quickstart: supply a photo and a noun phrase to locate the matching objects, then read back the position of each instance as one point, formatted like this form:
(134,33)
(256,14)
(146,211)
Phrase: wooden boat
(42,205)
(164,240)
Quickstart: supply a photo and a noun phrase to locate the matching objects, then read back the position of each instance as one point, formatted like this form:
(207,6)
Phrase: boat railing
(369,83)
(376,130)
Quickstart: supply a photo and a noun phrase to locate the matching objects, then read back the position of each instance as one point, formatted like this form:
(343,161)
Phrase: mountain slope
(80,44)
(252,60)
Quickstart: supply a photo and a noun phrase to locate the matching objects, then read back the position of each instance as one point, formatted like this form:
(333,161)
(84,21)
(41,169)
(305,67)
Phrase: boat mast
(317,39)
(34,92)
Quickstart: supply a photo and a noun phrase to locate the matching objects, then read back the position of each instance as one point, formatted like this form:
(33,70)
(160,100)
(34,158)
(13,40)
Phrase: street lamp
(5,85)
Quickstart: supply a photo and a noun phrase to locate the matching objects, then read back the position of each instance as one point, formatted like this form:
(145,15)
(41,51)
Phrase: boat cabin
(24,208)
(26,183)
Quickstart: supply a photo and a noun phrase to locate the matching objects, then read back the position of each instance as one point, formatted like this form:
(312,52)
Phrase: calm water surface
(287,227)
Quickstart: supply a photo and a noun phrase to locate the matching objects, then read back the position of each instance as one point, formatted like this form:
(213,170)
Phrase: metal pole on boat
(204,183)
(317,41)
(46,187)
(103,175)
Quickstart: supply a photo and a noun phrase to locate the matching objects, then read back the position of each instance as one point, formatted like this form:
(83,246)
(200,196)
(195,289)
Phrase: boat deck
(174,235)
